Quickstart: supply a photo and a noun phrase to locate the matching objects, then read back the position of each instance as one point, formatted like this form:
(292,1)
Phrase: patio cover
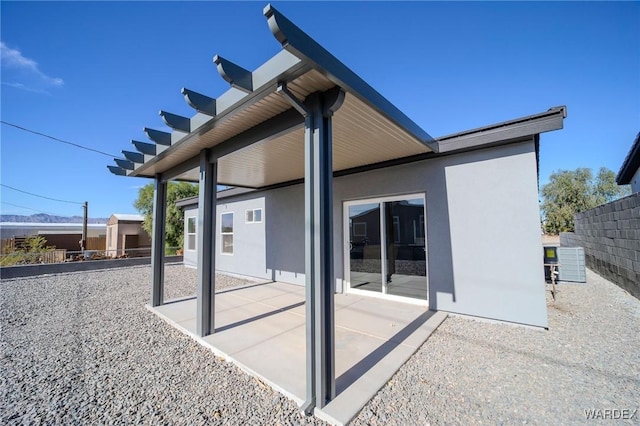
(254,131)
(301,115)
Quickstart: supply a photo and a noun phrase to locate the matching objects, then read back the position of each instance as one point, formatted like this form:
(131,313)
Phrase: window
(191,233)
(253,216)
(226,233)
(396,229)
(360,229)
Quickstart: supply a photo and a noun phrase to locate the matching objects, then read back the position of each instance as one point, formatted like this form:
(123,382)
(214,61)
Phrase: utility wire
(60,140)
(29,208)
(41,196)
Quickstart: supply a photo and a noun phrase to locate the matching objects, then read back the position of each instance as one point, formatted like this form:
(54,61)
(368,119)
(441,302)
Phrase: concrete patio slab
(261,328)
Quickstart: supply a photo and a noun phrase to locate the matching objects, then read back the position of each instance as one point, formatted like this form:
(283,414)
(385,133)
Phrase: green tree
(606,190)
(174,229)
(573,191)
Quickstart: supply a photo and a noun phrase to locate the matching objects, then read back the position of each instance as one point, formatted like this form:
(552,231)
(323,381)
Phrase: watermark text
(609,414)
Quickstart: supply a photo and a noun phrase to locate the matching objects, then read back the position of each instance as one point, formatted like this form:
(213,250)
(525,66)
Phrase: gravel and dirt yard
(81,348)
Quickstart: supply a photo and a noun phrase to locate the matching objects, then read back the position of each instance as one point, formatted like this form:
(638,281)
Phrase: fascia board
(494,136)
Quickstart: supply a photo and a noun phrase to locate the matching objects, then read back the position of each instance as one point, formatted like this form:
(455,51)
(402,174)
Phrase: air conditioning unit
(572,265)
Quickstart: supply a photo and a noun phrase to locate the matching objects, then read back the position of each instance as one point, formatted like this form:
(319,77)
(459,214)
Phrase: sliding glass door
(386,246)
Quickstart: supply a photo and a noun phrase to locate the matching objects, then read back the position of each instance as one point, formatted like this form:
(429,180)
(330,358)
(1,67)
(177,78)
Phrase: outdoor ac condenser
(572,266)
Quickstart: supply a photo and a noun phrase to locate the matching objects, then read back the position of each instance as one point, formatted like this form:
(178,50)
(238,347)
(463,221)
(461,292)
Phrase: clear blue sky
(97,73)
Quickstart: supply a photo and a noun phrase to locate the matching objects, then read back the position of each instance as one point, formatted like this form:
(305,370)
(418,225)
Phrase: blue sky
(97,73)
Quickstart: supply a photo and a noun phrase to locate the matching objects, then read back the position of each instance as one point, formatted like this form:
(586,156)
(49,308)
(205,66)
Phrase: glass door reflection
(365,247)
(405,249)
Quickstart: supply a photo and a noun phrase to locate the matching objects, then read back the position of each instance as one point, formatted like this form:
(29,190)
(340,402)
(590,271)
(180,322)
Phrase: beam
(179,169)
(144,147)
(235,75)
(282,123)
(117,171)
(124,164)
(176,122)
(205,305)
(297,42)
(135,157)
(160,138)
(157,242)
(200,103)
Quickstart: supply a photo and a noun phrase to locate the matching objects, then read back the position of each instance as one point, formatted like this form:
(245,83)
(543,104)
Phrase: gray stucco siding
(483,229)
(482,220)
(248,257)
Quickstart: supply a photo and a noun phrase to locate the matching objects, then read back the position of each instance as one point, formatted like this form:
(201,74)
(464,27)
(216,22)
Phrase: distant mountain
(47,218)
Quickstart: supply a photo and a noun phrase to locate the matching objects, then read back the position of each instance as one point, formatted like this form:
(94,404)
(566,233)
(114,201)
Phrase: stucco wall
(610,235)
(483,231)
(249,252)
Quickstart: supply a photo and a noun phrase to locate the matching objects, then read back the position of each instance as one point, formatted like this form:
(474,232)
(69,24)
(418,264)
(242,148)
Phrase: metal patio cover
(254,132)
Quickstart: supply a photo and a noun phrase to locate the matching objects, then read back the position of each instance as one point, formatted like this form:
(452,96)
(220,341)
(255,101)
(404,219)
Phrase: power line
(41,196)
(29,208)
(60,140)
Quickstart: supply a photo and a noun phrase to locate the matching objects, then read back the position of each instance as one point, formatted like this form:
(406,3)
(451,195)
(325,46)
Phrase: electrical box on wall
(572,265)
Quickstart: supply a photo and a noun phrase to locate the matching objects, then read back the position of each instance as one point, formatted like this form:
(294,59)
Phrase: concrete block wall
(610,235)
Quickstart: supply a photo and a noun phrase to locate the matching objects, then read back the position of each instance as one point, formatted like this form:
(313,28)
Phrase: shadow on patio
(261,328)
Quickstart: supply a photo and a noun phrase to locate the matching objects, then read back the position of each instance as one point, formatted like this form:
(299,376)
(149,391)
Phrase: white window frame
(347,223)
(194,233)
(223,234)
(253,216)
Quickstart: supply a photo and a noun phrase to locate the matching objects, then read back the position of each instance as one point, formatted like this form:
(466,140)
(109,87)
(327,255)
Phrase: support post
(319,277)
(158,240)
(206,231)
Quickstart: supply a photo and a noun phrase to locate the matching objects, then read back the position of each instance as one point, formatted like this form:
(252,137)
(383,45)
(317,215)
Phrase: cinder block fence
(610,235)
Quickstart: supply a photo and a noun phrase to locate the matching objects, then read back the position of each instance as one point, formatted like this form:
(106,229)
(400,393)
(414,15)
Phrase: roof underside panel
(361,136)
(254,132)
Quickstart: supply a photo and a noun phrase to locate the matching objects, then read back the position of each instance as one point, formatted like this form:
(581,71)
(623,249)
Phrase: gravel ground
(81,348)
(471,372)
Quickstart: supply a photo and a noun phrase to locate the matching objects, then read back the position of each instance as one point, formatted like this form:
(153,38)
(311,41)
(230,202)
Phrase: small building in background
(126,236)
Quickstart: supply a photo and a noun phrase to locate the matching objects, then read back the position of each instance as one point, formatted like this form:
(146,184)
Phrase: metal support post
(318,108)
(319,277)
(206,231)
(157,241)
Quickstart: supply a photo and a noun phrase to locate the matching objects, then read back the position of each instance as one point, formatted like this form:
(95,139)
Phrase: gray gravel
(471,372)
(81,348)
